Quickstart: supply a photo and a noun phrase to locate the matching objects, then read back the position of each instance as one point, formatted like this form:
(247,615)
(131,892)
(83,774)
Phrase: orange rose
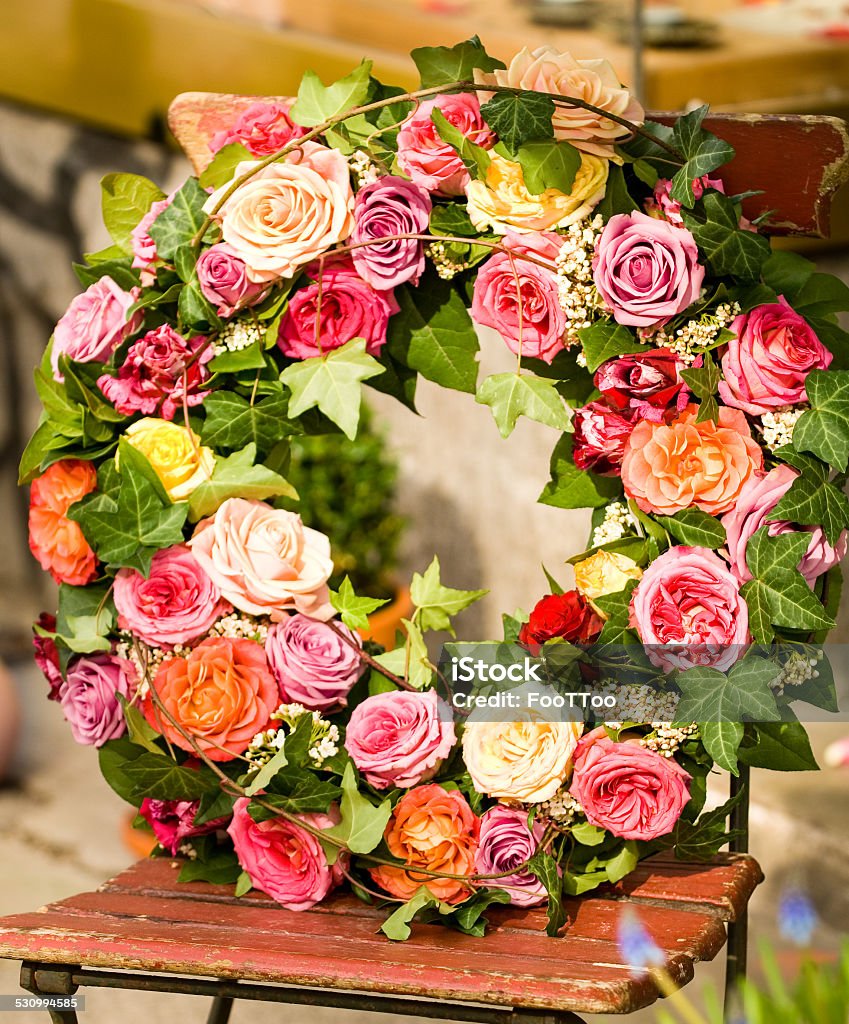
(430,828)
(56,541)
(671,466)
(222,695)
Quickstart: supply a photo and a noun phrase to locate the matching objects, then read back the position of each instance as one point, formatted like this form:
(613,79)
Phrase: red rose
(560,615)
(645,381)
(601,433)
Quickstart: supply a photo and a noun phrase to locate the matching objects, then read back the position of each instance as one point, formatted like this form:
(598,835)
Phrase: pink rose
(262,128)
(175,604)
(400,738)
(172,822)
(264,560)
(143,246)
(627,789)
(223,279)
(95,324)
(647,271)
(161,370)
(688,611)
(647,382)
(89,698)
(432,163)
(758,498)
(520,299)
(284,860)
(505,843)
(390,206)
(772,352)
(345,306)
(664,206)
(601,434)
(312,663)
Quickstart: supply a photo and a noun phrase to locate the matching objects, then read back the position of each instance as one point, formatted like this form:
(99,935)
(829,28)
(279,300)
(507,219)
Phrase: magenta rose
(647,271)
(390,206)
(627,789)
(772,352)
(400,738)
(505,843)
(95,324)
(520,299)
(432,163)
(46,654)
(346,306)
(89,697)
(161,369)
(313,665)
(284,860)
(223,279)
(601,434)
(143,246)
(172,822)
(663,205)
(176,603)
(647,382)
(688,611)
(757,499)
(262,128)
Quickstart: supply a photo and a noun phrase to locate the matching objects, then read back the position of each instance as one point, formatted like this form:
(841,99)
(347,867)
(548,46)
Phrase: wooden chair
(143,931)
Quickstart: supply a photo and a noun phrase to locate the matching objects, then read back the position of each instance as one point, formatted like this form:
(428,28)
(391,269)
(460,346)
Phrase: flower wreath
(357,235)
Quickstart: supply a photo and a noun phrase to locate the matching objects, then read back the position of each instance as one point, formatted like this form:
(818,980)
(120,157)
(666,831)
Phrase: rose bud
(601,433)
(646,381)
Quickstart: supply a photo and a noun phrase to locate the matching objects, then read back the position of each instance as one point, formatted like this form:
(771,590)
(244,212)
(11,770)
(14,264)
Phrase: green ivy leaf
(623,862)
(125,199)
(138,729)
(696,528)
(605,340)
(236,476)
(353,610)
(730,251)
(85,618)
(332,383)
(177,225)
(222,167)
(451,219)
(518,118)
(362,824)
(549,164)
(704,152)
(296,791)
(571,487)
(317,102)
(510,396)
(475,159)
(721,740)
(780,746)
(195,309)
(437,603)
(397,926)
(417,666)
(266,773)
(243,885)
(617,197)
(786,273)
(821,295)
(824,429)
(709,695)
(441,65)
(703,839)
(812,500)
(232,422)
(221,867)
(544,867)
(703,380)
(161,778)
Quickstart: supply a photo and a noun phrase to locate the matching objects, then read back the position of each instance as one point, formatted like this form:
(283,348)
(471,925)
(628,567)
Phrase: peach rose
(222,695)
(430,828)
(671,466)
(527,759)
(175,452)
(56,541)
(289,212)
(594,81)
(504,204)
(264,560)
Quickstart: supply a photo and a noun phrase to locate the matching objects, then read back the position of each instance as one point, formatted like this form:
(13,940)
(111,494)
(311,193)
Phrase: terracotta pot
(10,720)
(386,621)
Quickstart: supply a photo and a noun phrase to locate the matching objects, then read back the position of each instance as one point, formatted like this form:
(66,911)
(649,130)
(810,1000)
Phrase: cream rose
(504,204)
(528,759)
(175,452)
(594,81)
(605,572)
(264,560)
(289,213)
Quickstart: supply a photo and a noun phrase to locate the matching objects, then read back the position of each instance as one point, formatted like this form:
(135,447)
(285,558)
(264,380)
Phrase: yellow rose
(504,204)
(175,453)
(605,572)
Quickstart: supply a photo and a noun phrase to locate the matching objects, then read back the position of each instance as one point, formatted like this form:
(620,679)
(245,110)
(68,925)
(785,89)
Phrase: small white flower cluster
(241,627)
(362,168)
(187,850)
(797,669)
(324,739)
(562,808)
(638,703)
(667,738)
(691,340)
(237,335)
(445,266)
(577,294)
(146,660)
(777,426)
(616,523)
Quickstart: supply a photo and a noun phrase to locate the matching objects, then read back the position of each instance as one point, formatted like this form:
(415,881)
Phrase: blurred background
(84,89)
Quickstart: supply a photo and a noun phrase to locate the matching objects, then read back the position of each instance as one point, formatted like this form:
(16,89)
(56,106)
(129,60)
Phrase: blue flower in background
(797,918)
(638,948)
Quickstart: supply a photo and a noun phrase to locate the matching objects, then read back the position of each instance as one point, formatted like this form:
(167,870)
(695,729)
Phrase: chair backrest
(798,161)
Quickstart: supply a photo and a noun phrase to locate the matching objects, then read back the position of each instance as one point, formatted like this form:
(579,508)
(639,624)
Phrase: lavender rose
(505,843)
(757,499)
(95,324)
(399,738)
(646,270)
(390,206)
(313,665)
(223,279)
(89,698)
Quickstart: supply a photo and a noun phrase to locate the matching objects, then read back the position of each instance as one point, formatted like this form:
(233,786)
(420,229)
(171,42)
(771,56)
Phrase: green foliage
(134,773)
(85,618)
(709,695)
(544,867)
(519,118)
(780,746)
(125,199)
(293,790)
(237,476)
(222,167)
(571,487)
(606,339)
(179,223)
(362,824)
(233,422)
(510,396)
(442,65)
(436,604)
(475,159)
(702,839)
(317,102)
(812,499)
(694,527)
(703,382)
(730,251)
(617,197)
(353,610)
(549,164)
(824,429)
(703,151)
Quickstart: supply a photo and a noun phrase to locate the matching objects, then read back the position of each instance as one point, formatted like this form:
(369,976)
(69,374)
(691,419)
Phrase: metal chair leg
(50,981)
(220,1010)
(738,931)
